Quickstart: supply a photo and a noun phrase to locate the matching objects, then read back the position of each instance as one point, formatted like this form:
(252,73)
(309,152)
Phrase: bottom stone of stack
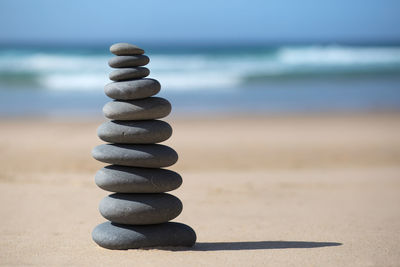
(121,236)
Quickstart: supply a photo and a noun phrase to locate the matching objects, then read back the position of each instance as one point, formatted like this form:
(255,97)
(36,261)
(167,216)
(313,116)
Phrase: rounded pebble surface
(118,236)
(146,156)
(122,179)
(134,89)
(141,109)
(125,49)
(139,209)
(128,61)
(134,132)
(129,73)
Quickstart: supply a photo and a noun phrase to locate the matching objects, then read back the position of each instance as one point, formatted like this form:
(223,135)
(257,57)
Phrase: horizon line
(197,43)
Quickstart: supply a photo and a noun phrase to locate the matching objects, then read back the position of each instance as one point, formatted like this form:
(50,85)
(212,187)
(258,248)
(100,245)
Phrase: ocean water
(252,79)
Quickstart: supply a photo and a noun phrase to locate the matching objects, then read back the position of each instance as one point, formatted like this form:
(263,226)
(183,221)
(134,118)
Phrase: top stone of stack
(125,49)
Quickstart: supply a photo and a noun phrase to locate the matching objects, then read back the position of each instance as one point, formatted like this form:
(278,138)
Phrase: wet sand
(288,190)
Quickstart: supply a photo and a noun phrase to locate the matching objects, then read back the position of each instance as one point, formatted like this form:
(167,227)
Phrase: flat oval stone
(134,132)
(129,73)
(139,209)
(125,49)
(128,61)
(124,179)
(131,90)
(142,109)
(147,156)
(119,236)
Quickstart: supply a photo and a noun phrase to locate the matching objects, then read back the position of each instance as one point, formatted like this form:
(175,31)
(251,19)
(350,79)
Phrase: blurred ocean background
(63,81)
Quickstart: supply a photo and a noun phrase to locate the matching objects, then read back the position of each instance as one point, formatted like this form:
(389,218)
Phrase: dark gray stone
(147,156)
(134,89)
(124,179)
(142,109)
(125,49)
(134,132)
(140,209)
(128,61)
(129,73)
(118,236)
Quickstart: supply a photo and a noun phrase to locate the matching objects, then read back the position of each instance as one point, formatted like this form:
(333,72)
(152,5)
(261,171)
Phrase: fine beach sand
(287,190)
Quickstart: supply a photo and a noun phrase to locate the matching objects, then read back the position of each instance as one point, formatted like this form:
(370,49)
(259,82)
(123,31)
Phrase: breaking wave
(213,69)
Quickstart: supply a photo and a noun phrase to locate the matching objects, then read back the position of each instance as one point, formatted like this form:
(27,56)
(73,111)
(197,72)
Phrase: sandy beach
(284,190)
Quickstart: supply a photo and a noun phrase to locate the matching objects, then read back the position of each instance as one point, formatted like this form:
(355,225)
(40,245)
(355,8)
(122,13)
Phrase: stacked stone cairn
(139,211)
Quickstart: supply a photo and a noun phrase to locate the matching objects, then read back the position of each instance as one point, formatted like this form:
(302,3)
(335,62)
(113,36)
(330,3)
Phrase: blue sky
(194,21)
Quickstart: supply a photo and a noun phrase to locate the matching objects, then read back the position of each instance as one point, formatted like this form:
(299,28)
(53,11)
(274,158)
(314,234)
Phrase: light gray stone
(146,156)
(139,209)
(124,179)
(129,73)
(128,61)
(131,90)
(119,236)
(134,132)
(141,109)
(125,49)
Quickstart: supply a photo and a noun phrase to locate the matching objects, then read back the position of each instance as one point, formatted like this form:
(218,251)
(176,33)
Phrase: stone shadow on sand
(254,245)
(214,246)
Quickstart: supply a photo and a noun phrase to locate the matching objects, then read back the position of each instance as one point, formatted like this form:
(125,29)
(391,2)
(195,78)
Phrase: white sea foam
(74,81)
(338,55)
